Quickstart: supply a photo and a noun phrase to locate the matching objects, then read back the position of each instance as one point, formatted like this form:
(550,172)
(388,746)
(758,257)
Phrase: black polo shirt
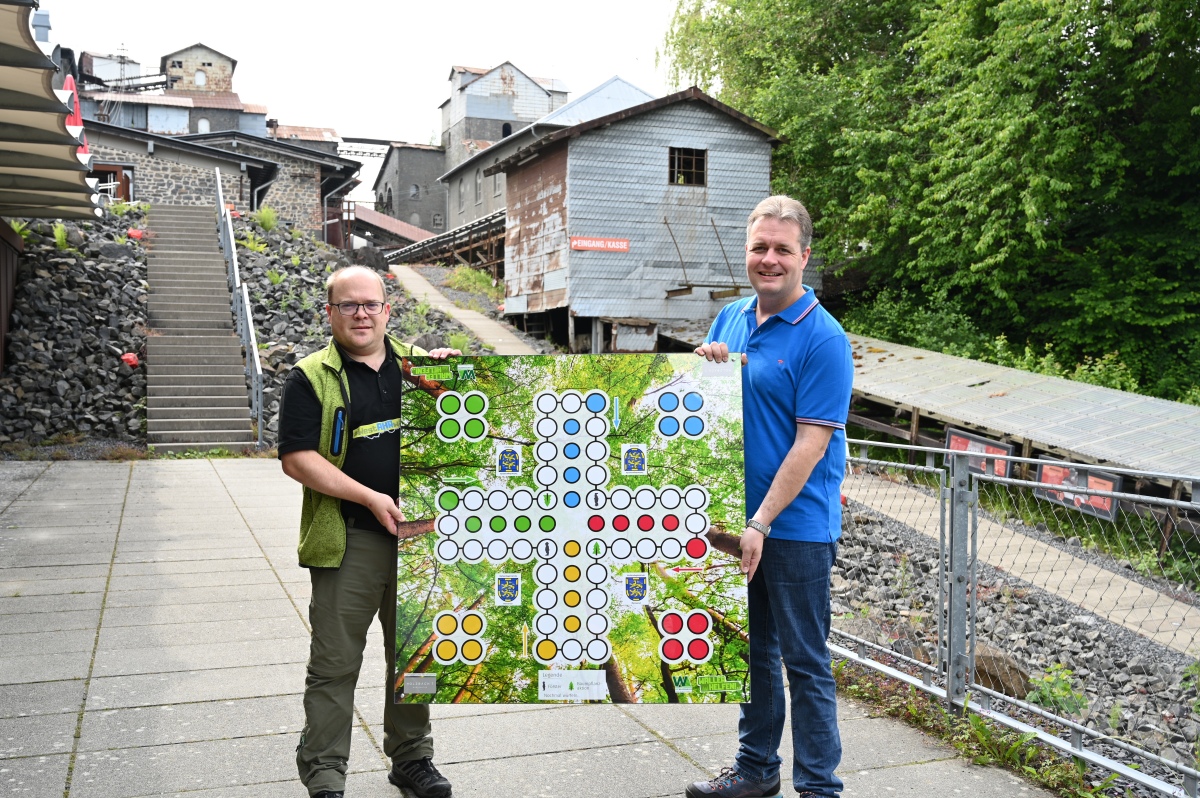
(372,460)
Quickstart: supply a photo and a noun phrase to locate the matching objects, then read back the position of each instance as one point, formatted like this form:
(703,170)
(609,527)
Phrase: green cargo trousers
(344,602)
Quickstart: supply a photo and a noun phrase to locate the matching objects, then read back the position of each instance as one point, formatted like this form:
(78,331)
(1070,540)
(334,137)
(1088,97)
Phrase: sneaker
(730,784)
(420,776)
(330,794)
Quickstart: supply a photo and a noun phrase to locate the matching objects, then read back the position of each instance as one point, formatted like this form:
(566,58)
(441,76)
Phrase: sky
(378,69)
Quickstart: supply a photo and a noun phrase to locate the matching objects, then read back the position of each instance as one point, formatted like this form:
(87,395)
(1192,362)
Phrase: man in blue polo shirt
(796,383)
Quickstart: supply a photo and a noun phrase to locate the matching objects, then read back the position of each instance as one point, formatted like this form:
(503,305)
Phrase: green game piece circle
(547,523)
(449,428)
(522,523)
(474,404)
(448,500)
(473,429)
(474,524)
(498,523)
(448,404)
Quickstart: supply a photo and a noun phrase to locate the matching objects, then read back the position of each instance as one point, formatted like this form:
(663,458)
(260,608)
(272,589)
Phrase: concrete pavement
(153,617)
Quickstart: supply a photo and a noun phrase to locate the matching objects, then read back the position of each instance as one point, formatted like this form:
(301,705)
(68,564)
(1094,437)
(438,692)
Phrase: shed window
(478,186)
(462,194)
(414,191)
(388,206)
(506,130)
(176,65)
(688,167)
(203,125)
(206,63)
(437,221)
(201,79)
(415,220)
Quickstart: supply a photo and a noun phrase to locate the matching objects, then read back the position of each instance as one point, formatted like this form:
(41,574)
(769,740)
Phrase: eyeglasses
(351,308)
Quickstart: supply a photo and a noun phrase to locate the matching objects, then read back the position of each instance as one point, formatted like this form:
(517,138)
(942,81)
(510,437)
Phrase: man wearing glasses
(338,438)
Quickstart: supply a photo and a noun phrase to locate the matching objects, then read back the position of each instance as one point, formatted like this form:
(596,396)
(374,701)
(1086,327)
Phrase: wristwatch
(760,526)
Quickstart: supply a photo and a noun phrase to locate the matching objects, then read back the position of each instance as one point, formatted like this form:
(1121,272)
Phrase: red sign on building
(600,244)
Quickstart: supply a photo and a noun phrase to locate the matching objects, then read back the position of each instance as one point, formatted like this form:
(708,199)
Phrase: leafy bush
(473,281)
(276,277)
(21,229)
(266,217)
(459,341)
(1055,690)
(296,261)
(253,243)
(60,237)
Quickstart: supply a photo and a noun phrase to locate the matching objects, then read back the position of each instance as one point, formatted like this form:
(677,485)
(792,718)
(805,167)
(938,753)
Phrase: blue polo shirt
(798,371)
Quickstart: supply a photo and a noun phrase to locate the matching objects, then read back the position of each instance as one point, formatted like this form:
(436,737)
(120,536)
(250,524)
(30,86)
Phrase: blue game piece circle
(571,499)
(667,402)
(668,426)
(693,401)
(570,426)
(571,451)
(693,425)
(572,475)
(596,402)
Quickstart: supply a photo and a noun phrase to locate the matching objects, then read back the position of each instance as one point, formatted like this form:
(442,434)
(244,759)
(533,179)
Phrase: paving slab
(117,692)
(189,723)
(40,668)
(48,621)
(15,479)
(210,579)
(46,698)
(190,554)
(161,597)
(10,588)
(51,573)
(942,777)
(45,644)
(50,603)
(37,735)
(190,567)
(214,633)
(166,659)
(34,775)
(190,613)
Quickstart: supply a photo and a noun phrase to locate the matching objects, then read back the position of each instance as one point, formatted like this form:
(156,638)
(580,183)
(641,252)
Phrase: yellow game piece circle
(571,549)
(446,650)
(572,598)
(546,649)
(447,625)
(471,650)
(472,624)
(571,573)
(571,623)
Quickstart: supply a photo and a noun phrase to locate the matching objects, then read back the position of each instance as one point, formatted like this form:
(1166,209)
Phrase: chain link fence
(1057,598)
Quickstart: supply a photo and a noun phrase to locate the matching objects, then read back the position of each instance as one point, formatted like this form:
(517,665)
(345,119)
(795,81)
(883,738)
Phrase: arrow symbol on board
(525,641)
(616,412)
(679,568)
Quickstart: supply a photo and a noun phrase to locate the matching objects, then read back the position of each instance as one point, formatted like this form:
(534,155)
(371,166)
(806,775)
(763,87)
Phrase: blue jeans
(789,620)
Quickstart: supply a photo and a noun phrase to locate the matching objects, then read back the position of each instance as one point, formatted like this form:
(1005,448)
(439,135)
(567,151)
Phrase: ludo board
(558,543)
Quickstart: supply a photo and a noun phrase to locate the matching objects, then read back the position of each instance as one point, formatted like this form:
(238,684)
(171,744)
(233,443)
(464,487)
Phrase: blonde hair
(785,209)
(352,270)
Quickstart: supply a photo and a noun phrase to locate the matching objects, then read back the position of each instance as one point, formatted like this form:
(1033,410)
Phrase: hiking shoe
(730,784)
(330,794)
(420,776)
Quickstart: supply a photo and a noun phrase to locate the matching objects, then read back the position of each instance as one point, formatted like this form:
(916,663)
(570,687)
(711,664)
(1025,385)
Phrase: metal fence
(1066,608)
(243,317)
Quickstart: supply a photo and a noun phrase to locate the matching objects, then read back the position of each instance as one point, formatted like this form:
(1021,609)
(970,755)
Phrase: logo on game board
(466,372)
(636,588)
(633,459)
(508,590)
(508,460)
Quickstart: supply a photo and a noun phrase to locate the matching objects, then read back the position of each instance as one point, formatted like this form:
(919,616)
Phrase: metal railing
(1065,608)
(243,315)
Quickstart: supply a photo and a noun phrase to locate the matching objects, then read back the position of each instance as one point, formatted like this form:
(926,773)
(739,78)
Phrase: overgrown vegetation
(122,208)
(252,241)
(266,217)
(60,237)
(464,278)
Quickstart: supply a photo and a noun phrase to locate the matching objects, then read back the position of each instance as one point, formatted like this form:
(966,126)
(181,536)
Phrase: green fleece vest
(322,528)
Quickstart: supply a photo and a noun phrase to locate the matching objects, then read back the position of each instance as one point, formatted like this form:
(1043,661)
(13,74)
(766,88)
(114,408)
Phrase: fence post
(958,568)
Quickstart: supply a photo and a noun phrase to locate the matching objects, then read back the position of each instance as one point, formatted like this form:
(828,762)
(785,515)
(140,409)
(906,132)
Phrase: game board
(560,516)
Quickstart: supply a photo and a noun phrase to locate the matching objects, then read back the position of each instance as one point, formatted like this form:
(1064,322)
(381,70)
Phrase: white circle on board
(646,549)
(670,498)
(645,498)
(621,549)
(597,426)
(696,523)
(497,551)
(447,551)
(546,574)
(597,574)
(671,549)
(546,451)
(546,475)
(571,650)
(696,497)
(545,599)
(597,651)
(447,525)
(546,403)
(472,550)
(571,402)
(473,500)
(620,498)
(546,428)
(522,550)
(545,624)
(522,499)
(597,451)
(597,475)
(597,624)
(597,599)
(497,500)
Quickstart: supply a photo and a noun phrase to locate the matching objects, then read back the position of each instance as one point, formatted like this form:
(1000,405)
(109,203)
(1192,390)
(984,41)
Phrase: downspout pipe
(258,191)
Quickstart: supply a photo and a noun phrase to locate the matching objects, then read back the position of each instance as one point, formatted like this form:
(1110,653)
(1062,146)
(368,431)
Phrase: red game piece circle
(670,523)
(673,649)
(697,650)
(697,623)
(620,523)
(595,523)
(697,548)
(645,523)
(672,623)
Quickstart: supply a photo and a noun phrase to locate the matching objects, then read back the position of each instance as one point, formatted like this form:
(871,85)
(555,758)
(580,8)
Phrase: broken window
(414,191)
(688,167)
(206,63)
(176,65)
(437,221)
(478,186)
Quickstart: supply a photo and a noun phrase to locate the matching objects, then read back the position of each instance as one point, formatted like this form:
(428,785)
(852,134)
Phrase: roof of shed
(283,147)
(374,218)
(139,99)
(227,100)
(305,133)
(181,143)
(162,62)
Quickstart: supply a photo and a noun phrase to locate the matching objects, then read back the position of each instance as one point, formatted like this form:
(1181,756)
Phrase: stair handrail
(243,315)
